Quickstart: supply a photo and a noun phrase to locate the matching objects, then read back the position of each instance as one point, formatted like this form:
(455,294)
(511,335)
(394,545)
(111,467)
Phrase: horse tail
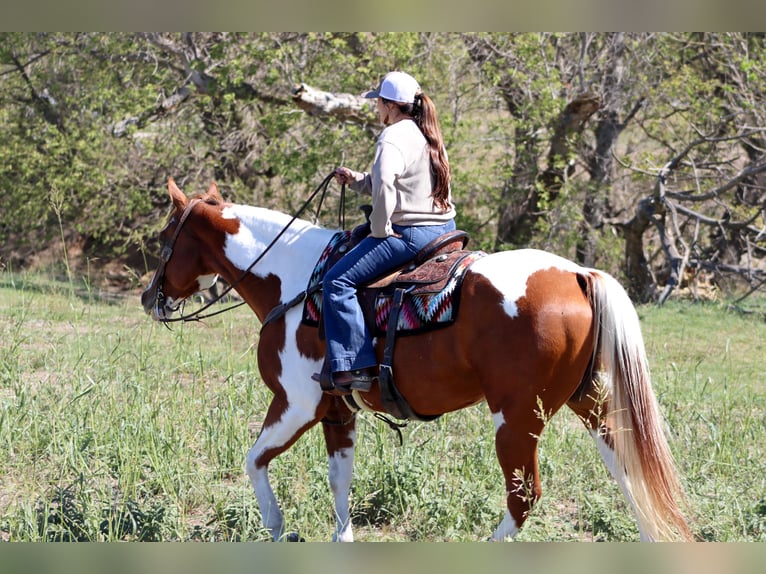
(644,464)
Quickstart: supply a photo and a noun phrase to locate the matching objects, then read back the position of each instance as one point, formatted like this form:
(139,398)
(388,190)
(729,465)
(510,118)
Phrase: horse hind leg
(516,447)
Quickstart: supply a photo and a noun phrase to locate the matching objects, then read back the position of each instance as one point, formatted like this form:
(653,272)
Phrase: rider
(411,206)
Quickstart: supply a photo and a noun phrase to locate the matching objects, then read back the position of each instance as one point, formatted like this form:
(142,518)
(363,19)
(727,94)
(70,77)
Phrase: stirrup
(357,380)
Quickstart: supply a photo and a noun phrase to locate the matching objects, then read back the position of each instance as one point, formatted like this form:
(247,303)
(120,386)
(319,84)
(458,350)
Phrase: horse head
(183,270)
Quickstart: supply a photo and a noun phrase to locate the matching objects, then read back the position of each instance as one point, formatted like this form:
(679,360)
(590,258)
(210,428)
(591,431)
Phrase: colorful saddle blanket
(432,299)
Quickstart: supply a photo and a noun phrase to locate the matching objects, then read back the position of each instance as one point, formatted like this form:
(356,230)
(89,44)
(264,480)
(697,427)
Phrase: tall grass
(115,428)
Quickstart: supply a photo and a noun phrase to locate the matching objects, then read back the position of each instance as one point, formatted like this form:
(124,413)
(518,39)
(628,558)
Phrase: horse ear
(179,198)
(213,192)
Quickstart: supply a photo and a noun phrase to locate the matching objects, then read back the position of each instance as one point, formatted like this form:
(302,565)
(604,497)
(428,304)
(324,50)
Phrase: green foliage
(106,118)
(63,139)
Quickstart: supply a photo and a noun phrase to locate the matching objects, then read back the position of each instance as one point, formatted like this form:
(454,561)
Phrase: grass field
(116,428)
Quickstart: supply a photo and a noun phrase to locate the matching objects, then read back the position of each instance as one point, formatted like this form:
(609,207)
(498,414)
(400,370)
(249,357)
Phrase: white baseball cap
(397,87)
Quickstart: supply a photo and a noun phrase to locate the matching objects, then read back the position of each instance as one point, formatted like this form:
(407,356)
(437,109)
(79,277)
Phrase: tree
(707,205)
(640,153)
(60,160)
(620,85)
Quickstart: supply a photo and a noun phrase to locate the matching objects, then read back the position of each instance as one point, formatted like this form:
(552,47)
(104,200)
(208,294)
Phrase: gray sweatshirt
(401,183)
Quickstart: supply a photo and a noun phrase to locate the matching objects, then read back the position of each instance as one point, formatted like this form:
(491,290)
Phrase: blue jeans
(349,343)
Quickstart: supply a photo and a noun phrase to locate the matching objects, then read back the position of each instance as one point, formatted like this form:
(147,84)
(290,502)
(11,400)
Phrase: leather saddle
(420,296)
(436,268)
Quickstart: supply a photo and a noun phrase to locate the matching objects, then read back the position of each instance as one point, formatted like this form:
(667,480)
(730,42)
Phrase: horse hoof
(294,537)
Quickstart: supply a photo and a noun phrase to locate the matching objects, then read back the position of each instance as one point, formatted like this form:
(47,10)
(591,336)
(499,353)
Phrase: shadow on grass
(53,286)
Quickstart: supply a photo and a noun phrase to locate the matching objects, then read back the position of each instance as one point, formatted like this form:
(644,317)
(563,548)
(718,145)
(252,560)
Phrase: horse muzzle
(155,304)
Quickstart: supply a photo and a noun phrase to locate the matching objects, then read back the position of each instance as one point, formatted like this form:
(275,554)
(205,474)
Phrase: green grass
(709,371)
(115,428)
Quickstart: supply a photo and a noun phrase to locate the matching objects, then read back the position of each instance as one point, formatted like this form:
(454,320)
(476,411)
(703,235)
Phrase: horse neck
(290,260)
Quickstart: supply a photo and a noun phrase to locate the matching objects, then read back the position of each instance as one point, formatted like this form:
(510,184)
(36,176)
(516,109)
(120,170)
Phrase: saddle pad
(312,307)
(425,310)
(421,311)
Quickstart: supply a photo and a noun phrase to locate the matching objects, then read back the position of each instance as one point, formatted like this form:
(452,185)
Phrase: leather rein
(167,251)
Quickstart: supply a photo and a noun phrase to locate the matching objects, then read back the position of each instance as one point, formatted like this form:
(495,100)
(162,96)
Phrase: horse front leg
(284,424)
(340,438)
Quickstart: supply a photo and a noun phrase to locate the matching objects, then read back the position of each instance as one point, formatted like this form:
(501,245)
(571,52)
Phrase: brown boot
(357,380)
(344,382)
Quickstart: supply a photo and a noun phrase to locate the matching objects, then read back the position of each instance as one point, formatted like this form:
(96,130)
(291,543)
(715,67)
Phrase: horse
(534,331)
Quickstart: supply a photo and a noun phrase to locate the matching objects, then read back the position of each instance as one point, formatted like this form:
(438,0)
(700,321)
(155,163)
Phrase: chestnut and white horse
(534,331)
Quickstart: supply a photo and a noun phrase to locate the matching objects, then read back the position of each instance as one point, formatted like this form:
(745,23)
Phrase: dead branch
(569,124)
(346,107)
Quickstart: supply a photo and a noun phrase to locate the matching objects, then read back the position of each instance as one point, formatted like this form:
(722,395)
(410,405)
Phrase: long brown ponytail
(423,112)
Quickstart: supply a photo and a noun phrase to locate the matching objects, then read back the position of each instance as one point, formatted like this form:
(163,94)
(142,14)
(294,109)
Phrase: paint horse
(534,331)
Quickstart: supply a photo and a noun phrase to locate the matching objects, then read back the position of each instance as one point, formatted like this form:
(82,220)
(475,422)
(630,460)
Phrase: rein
(167,251)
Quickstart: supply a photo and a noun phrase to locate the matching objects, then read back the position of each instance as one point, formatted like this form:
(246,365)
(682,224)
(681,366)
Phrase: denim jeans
(349,343)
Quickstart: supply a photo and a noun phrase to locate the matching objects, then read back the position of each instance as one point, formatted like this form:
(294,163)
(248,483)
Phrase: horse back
(525,323)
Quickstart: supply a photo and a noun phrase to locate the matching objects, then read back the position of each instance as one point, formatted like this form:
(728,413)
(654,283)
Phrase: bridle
(167,251)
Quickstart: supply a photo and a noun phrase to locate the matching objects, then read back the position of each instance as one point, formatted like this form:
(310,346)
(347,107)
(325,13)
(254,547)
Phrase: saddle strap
(278,311)
(388,392)
(393,401)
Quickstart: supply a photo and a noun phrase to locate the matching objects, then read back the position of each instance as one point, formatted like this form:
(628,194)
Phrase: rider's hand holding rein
(344,175)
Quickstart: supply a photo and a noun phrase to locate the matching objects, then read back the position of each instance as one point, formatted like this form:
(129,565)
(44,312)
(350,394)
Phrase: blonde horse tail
(644,464)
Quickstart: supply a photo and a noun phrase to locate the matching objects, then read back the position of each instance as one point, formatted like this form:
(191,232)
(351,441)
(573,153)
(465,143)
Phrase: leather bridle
(167,252)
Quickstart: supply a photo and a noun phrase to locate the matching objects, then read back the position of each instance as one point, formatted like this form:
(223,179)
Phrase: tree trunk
(517,218)
(518,199)
(641,283)
(600,165)
(595,204)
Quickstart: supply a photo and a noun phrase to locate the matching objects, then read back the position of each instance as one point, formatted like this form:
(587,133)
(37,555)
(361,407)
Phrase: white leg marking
(267,502)
(273,436)
(341,470)
(618,473)
(303,396)
(498,419)
(606,452)
(507,528)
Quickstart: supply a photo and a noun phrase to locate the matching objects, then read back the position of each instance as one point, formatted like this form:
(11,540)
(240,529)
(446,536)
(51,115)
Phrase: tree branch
(744,173)
(41,100)
(346,107)
(569,123)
